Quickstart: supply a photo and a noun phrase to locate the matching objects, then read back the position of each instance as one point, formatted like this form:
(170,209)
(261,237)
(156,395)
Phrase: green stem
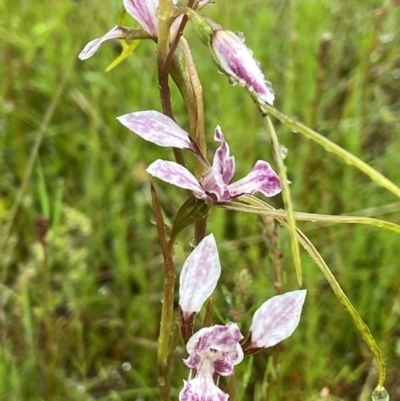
(342,298)
(333,148)
(164,24)
(265,210)
(291,222)
(167,310)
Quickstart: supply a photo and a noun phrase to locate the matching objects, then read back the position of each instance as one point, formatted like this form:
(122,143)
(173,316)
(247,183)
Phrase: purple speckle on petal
(156,127)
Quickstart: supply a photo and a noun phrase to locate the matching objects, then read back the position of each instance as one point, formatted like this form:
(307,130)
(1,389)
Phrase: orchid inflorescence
(213,350)
(216,350)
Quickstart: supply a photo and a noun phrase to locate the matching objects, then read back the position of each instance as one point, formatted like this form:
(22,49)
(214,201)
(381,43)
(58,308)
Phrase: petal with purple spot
(91,48)
(260,179)
(202,389)
(156,127)
(223,162)
(214,185)
(175,174)
(276,319)
(222,338)
(224,365)
(199,276)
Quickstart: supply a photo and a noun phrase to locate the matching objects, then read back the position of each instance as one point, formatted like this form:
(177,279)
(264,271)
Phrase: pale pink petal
(91,48)
(144,12)
(175,174)
(157,128)
(221,338)
(223,162)
(214,185)
(276,319)
(236,60)
(199,276)
(202,389)
(260,179)
(224,365)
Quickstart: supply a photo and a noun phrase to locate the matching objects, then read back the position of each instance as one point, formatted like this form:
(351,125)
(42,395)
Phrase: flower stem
(164,24)
(329,146)
(291,222)
(167,311)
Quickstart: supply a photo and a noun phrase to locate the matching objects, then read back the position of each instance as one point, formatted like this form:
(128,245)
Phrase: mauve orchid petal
(220,338)
(157,128)
(224,364)
(199,276)
(144,12)
(202,389)
(223,163)
(260,179)
(91,48)
(214,185)
(276,319)
(175,174)
(235,59)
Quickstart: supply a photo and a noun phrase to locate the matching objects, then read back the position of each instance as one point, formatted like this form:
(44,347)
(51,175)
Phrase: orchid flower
(212,350)
(144,12)
(216,350)
(215,185)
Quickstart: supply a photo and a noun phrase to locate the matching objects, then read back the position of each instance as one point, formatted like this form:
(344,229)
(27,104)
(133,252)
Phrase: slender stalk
(186,78)
(342,298)
(262,208)
(329,146)
(167,310)
(197,90)
(164,24)
(286,199)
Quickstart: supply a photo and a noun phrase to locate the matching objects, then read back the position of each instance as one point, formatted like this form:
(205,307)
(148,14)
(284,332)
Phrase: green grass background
(334,65)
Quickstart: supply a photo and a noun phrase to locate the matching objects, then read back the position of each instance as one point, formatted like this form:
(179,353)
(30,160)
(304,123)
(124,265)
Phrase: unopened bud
(234,59)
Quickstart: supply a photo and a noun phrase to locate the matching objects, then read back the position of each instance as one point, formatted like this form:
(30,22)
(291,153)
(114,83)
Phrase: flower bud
(234,59)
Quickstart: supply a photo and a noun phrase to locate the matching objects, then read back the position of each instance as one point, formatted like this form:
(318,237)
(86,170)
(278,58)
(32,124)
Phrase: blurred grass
(334,65)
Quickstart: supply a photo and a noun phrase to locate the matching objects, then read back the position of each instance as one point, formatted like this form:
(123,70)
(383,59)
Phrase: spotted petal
(199,276)
(202,389)
(260,179)
(276,319)
(91,48)
(157,128)
(223,163)
(220,338)
(175,174)
(235,60)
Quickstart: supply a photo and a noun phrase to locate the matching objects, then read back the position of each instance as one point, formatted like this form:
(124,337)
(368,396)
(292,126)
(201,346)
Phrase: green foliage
(334,66)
